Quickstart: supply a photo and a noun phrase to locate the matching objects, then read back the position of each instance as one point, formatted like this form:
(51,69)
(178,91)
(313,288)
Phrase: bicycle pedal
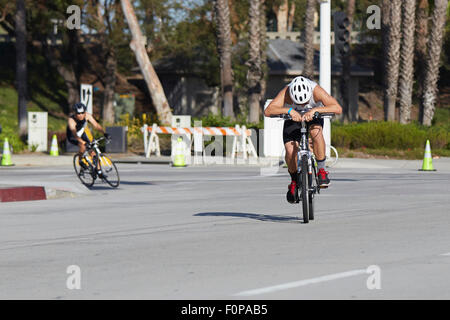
(323,187)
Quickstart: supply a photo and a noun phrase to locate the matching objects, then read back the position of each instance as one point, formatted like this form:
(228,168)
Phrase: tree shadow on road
(255,216)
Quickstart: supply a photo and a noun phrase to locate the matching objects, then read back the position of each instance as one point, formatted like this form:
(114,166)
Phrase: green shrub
(13,139)
(388,135)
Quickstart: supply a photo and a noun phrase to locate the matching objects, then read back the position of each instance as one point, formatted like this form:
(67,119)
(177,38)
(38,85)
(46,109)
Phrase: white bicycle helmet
(300,90)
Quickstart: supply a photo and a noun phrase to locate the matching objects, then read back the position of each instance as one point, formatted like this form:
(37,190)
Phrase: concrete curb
(33,193)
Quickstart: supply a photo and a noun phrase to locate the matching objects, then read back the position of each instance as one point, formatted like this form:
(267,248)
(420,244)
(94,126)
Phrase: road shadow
(100,187)
(137,183)
(255,216)
(340,179)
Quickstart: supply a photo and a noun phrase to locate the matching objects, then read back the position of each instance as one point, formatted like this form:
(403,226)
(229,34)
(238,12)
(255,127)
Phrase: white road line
(302,283)
(445,254)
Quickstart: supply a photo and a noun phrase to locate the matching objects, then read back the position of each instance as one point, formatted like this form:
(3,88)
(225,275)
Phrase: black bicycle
(308,181)
(87,171)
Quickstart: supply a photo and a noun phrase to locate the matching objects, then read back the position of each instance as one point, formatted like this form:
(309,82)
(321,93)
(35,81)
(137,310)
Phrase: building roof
(284,57)
(287,57)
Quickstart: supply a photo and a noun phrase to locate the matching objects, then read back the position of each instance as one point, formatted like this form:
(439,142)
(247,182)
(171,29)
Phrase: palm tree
(393,58)
(151,78)
(308,69)
(385,12)
(349,115)
(291,15)
(105,26)
(263,47)
(405,86)
(433,59)
(222,15)
(254,63)
(281,10)
(421,48)
(21,65)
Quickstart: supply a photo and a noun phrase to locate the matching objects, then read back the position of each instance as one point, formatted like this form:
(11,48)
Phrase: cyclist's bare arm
(330,104)
(73,128)
(276,106)
(94,123)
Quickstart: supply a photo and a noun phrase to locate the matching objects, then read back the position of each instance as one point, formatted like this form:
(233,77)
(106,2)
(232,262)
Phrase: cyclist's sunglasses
(81,112)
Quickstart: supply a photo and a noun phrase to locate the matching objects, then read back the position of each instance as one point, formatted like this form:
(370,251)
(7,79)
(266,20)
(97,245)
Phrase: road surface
(228,233)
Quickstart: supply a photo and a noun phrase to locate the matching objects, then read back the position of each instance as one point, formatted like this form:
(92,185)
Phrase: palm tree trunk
(393,58)
(421,48)
(222,14)
(21,66)
(348,115)
(405,86)
(308,69)
(281,11)
(385,12)
(262,48)
(151,78)
(433,59)
(254,63)
(291,16)
(110,85)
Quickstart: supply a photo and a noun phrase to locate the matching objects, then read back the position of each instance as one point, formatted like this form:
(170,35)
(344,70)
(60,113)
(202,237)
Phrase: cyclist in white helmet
(300,95)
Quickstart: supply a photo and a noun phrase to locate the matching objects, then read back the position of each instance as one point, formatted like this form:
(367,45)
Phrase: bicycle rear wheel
(85,175)
(334,156)
(304,192)
(109,171)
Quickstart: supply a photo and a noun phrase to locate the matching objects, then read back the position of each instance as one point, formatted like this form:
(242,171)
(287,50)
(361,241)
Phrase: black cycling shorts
(73,140)
(291,129)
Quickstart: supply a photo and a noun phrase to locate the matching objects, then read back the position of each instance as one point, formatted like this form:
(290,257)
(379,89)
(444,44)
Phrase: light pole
(325,62)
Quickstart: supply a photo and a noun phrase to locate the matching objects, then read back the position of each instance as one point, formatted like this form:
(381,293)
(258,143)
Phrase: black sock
(293,176)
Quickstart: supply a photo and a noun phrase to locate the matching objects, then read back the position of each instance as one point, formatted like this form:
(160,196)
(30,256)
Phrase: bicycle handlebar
(96,141)
(317,115)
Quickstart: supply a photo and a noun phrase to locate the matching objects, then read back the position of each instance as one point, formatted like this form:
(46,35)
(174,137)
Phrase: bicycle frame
(93,147)
(304,148)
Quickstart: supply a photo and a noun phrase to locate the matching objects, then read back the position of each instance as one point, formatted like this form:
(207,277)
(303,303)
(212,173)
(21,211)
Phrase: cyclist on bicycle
(303,94)
(76,134)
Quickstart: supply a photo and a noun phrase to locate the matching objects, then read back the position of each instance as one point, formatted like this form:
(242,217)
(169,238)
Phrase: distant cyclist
(300,95)
(76,130)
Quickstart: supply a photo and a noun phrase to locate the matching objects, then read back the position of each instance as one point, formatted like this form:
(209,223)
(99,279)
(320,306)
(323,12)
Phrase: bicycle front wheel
(84,174)
(305,192)
(109,171)
(312,187)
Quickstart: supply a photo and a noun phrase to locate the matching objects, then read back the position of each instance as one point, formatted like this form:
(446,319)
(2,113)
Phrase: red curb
(22,194)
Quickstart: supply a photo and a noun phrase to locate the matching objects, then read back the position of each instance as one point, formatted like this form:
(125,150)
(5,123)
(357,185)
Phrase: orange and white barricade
(242,142)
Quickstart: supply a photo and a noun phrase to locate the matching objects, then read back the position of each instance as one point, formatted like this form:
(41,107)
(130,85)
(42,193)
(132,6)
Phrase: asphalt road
(228,233)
